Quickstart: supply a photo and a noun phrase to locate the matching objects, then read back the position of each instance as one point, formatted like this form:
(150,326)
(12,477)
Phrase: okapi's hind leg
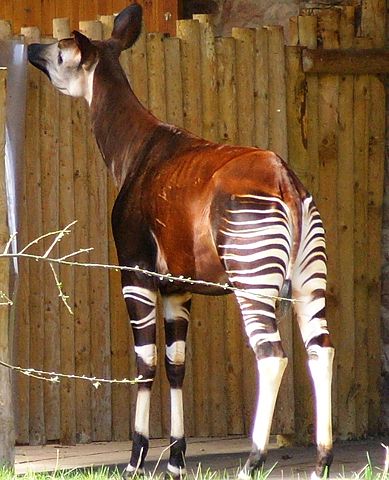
(255,243)
(141,306)
(176,314)
(308,288)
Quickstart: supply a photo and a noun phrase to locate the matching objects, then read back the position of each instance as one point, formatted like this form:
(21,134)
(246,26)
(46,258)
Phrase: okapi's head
(70,63)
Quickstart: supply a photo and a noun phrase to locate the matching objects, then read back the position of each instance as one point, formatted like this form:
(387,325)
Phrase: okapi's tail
(285,296)
(293,193)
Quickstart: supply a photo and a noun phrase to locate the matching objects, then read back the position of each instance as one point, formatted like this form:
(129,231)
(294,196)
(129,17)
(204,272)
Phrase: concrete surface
(215,454)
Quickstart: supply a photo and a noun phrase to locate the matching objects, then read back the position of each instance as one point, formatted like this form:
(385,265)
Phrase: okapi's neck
(120,122)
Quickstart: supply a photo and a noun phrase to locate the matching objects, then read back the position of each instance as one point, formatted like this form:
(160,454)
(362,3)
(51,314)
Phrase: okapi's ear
(86,47)
(127,26)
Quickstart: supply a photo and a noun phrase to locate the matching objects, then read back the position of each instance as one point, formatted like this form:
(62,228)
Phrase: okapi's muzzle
(36,56)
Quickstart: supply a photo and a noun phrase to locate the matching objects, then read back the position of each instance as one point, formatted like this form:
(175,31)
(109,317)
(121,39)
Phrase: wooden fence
(248,89)
(160,15)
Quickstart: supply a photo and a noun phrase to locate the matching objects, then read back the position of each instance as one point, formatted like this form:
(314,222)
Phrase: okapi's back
(189,194)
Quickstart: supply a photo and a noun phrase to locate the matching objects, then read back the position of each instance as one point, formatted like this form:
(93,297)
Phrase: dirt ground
(215,454)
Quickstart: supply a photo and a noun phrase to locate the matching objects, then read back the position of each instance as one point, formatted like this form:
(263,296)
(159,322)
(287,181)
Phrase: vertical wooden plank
(6,12)
(7,433)
(328,23)
(200,330)
(308,38)
(99,291)
(345,200)
(64,9)
(138,68)
(5,30)
(48,139)
(297,114)
(307,31)
(302,385)
(157,105)
(228,114)
(46,19)
(174,100)
(156,74)
(61,29)
(373,22)
(244,51)
(278,140)
(28,16)
(208,77)
(100,359)
(361,172)
(375,202)
(82,318)
(34,210)
(189,33)
(261,97)
(234,367)
(245,39)
(216,381)
(120,366)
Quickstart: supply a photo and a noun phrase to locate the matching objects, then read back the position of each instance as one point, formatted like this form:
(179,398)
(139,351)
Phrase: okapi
(225,214)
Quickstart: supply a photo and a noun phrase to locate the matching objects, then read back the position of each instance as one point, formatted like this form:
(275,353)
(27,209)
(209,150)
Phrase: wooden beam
(6,411)
(346,61)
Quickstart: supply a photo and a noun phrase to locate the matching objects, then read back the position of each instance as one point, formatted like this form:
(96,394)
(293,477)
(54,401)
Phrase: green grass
(369,472)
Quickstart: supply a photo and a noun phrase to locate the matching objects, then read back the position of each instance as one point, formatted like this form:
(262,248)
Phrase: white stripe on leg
(177,413)
(270,371)
(142,412)
(320,365)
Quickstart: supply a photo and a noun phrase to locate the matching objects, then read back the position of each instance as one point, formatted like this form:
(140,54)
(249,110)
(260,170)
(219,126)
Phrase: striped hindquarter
(255,242)
(308,289)
(255,245)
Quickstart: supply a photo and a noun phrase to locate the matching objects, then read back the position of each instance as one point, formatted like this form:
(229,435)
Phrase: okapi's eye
(60,59)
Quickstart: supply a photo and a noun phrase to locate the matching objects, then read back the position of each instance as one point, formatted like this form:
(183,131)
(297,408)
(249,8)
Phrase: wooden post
(327,199)
(375,202)
(34,210)
(156,74)
(208,77)
(138,68)
(5,30)
(278,140)
(245,38)
(362,322)
(100,357)
(48,137)
(61,28)
(120,368)
(345,188)
(373,22)
(261,100)
(226,81)
(7,434)
(189,33)
(174,101)
(302,385)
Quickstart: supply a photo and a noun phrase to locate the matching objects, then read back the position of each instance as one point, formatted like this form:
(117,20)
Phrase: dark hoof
(133,475)
(253,465)
(175,475)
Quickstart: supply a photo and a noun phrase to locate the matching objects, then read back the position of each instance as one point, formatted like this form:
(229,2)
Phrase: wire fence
(55,377)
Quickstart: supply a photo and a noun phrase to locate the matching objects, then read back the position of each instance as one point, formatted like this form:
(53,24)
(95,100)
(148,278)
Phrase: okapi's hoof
(253,465)
(314,476)
(174,473)
(133,474)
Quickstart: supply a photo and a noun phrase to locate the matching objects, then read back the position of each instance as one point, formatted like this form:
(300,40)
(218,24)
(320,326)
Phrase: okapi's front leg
(141,305)
(176,314)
